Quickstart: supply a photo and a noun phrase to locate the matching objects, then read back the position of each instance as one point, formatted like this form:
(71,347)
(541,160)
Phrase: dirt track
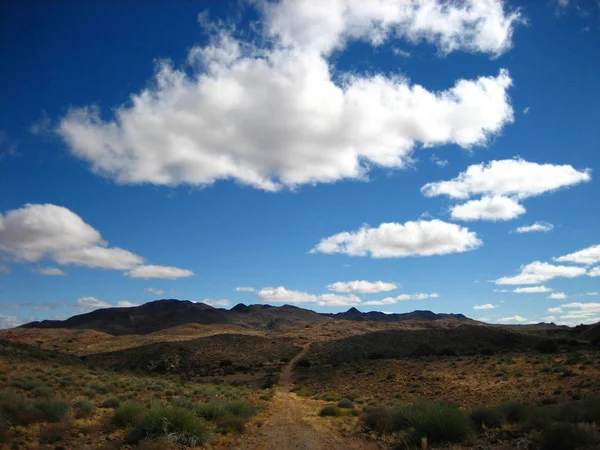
(291,422)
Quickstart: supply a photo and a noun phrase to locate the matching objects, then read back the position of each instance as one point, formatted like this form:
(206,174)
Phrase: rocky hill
(168,313)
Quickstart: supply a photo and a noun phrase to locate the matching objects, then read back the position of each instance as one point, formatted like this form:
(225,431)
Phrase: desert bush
(330,410)
(512,411)
(484,417)
(346,403)
(437,421)
(303,363)
(52,410)
(171,424)
(127,414)
(53,433)
(83,408)
(547,346)
(330,397)
(230,424)
(42,391)
(378,418)
(110,402)
(566,436)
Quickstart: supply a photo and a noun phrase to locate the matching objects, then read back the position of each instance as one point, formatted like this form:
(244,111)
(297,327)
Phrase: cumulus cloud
(402,298)
(539,272)
(50,271)
(362,287)
(556,310)
(91,303)
(486,306)
(12,321)
(222,303)
(580,313)
(532,290)
(510,177)
(396,240)
(488,208)
(595,272)
(281,117)
(513,319)
(126,304)
(162,272)
(155,291)
(536,227)
(587,256)
(557,296)
(245,289)
(37,231)
(472,25)
(282,295)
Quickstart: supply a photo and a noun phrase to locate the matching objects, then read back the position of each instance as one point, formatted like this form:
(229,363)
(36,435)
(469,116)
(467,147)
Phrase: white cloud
(581,313)
(513,319)
(550,319)
(481,26)
(162,272)
(526,110)
(402,298)
(338,300)
(488,208)
(590,255)
(540,272)
(532,290)
(50,271)
(155,291)
(12,321)
(281,117)
(362,287)
(91,303)
(557,296)
(483,319)
(556,310)
(245,289)
(282,295)
(538,226)
(222,303)
(4,268)
(509,177)
(439,162)
(595,272)
(126,304)
(395,240)
(37,231)
(486,306)
(501,290)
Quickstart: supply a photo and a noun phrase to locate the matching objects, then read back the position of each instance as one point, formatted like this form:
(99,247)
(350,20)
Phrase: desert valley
(177,374)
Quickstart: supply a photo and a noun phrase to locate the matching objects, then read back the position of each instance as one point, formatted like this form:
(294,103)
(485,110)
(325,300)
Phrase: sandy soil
(292,422)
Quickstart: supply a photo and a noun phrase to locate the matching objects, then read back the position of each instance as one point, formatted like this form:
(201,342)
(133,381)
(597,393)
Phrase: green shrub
(52,410)
(378,419)
(346,403)
(330,410)
(211,410)
(483,417)
(43,391)
(171,424)
(330,397)
(127,413)
(110,402)
(83,408)
(512,411)
(52,434)
(565,436)
(437,421)
(240,408)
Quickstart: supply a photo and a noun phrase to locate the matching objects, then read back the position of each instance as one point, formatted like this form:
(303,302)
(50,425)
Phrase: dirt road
(292,422)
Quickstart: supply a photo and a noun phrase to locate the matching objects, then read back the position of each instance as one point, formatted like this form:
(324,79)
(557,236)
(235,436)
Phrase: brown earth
(292,422)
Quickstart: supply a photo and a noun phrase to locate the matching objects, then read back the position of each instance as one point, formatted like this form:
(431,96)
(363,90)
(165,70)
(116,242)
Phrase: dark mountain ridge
(167,313)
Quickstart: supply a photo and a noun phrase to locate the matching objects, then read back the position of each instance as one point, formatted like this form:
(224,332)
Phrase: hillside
(161,314)
(168,313)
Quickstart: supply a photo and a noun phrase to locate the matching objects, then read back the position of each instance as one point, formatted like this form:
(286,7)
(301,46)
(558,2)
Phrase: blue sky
(381,157)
